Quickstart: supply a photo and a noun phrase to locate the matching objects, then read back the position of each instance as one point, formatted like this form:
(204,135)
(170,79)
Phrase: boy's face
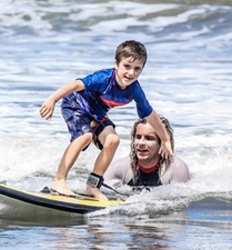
(128,70)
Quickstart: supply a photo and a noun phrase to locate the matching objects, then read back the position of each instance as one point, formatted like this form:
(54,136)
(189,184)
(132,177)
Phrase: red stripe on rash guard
(149,169)
(111,103)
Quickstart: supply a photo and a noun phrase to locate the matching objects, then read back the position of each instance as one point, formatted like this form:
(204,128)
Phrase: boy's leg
(110,141)
(69,157)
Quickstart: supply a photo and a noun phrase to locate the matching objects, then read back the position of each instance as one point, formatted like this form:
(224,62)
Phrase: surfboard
(79,204)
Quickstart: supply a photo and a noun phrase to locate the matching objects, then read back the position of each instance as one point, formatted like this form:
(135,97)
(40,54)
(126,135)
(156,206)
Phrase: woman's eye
(150,138)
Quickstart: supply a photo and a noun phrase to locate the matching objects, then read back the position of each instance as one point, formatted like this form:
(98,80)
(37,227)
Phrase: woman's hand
(47,108)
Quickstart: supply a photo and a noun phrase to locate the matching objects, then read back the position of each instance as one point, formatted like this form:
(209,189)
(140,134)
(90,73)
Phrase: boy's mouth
(128,78)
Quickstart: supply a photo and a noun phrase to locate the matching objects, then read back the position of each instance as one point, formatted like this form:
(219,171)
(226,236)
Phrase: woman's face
(146,143)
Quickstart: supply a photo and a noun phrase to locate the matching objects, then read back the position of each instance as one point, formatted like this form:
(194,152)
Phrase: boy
(85,105)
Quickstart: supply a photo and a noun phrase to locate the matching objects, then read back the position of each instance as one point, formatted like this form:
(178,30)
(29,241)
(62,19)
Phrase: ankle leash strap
(95,180)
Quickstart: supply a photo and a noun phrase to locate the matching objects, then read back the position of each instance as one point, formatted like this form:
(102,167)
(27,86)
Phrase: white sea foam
(116,8)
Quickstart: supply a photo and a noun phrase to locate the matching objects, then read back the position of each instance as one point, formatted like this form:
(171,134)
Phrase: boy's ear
(116,65)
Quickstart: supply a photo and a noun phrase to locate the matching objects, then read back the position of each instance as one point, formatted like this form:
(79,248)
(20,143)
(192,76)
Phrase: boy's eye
(137,69)
(127,66)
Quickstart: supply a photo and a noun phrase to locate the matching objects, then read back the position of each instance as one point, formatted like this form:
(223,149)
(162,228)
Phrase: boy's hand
(47,108)
(166,150)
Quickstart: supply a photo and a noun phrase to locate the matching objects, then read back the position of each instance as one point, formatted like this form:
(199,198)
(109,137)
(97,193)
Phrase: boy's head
(130,58)
(133,49)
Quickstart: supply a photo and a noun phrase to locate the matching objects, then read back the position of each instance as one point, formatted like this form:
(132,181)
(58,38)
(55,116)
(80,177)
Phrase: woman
(145,166)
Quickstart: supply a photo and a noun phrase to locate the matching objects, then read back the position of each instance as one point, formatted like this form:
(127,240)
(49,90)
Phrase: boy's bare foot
(96,193)
(61,187)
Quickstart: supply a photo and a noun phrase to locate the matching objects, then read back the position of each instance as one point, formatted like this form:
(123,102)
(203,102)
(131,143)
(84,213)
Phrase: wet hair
(131,48)
(133,157)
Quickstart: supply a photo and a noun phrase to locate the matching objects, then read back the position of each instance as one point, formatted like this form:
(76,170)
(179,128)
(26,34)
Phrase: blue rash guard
(101,93)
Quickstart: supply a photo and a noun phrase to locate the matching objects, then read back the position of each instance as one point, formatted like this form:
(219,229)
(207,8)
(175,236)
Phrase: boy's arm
(48,106)
(165,147)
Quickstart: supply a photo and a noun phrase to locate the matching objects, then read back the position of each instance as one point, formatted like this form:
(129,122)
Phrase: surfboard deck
(79,204)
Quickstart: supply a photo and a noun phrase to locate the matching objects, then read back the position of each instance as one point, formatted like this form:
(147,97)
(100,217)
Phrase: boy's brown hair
(131,48)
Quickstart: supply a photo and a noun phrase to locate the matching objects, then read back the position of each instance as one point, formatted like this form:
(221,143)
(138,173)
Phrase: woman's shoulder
(178,162)
(177,171)
(118,169)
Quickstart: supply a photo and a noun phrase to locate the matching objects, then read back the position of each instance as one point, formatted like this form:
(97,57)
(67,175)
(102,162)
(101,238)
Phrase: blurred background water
(46,43)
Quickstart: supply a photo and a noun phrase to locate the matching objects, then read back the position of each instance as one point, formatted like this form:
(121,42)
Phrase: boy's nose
(131,72)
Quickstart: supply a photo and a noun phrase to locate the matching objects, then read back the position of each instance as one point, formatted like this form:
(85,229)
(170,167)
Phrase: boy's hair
(133,49)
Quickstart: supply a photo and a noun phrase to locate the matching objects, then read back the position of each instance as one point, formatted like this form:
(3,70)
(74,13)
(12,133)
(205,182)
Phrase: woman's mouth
(142,152)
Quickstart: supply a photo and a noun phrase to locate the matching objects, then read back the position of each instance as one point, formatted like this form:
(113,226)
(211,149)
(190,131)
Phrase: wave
(48,18)
(31,163)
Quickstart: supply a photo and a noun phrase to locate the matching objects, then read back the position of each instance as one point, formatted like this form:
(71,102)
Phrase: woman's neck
(150,166)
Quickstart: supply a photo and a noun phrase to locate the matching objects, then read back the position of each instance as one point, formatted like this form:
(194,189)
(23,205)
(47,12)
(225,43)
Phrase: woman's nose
(141,141)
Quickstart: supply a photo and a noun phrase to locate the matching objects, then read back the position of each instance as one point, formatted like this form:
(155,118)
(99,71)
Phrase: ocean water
(45,44)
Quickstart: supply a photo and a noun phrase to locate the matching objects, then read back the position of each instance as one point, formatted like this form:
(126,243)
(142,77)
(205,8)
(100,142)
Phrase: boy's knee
(112,141)
(84,139)
(88,137)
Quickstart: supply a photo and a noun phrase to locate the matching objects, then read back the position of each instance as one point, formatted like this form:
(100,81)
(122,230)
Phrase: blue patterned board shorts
(79,121)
